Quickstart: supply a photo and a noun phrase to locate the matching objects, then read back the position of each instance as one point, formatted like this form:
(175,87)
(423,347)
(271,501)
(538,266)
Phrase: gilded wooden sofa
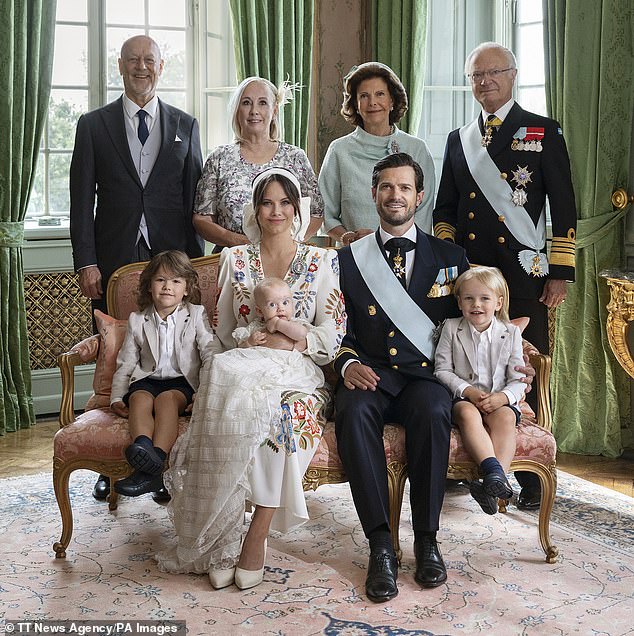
(96,439)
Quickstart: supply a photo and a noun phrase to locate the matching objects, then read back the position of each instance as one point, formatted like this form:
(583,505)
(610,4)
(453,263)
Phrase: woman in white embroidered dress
(242,442)
(224,187)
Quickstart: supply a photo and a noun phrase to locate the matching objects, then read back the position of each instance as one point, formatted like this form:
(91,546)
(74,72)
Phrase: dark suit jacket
(102,166)
(462,213)
(371,337)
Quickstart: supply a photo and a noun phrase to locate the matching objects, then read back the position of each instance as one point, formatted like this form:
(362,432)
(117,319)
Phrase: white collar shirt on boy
(484,366)
(167,365)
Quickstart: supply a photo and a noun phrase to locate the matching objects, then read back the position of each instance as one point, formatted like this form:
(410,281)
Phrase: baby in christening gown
(242,400)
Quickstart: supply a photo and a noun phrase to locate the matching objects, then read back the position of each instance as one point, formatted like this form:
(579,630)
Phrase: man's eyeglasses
(477,76)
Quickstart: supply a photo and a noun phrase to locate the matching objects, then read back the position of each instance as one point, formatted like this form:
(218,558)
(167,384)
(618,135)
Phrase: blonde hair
(281,95)
(264,285)
(490,277)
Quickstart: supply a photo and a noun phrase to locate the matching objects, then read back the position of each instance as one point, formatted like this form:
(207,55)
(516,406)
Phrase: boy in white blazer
(475,359)
(158,366)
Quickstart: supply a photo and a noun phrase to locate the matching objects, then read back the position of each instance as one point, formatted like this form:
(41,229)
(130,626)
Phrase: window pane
(533,99)
(64,109)
(176,98)
(125,12)
(529,11)
(74,10)
(59,198)
(172,45)
(218,124)
(167,13)
(221,71)
(36,201)
(70,61)
(530,54)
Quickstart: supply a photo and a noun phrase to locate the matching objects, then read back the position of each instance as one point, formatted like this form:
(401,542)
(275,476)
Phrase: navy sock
(380,538)
(145,441)
(161,453)
(491,465)
(419,535)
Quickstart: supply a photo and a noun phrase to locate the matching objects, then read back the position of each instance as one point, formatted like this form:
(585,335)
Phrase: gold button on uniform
(395,366)
(423,364)
(472,195)
(471,236)
(501,239)
(391,334)
(471,215)
(503,175)
(393,351)
(501,218)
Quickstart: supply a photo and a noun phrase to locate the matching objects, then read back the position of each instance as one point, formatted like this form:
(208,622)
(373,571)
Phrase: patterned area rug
(498,581)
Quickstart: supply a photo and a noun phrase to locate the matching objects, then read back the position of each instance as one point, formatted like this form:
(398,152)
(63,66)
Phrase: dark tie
(490,128)
(397,249)
(142,132)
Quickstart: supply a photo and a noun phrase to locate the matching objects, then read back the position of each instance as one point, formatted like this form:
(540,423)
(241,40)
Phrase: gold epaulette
(562,251)
(343,350)
(445,231)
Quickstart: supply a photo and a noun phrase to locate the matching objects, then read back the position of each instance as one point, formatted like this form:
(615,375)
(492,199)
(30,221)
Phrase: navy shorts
(513,408)
(156,386)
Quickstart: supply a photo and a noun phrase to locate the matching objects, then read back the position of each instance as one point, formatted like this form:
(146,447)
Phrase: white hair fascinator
(250,225)
(286,92)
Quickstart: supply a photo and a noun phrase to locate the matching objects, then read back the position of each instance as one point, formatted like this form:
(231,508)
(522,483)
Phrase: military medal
(536,267)
(435,291)
(521,176)
(519,197)
(399,268)
(488,135)
(528,138)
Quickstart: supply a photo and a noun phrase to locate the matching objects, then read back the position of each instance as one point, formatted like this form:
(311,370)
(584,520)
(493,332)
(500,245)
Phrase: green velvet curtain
(399,29)
(274,39)
(590,73)
(27,30)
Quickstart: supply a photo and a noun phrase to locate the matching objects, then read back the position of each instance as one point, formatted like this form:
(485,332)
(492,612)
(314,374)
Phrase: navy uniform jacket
(371,337)
(462,213)
(102,166)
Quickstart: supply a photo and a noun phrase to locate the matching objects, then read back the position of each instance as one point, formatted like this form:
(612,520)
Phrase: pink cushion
(112,334)
(533,442)
(98,434)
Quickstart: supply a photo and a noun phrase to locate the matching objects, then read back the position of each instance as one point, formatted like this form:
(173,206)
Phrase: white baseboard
(47,389)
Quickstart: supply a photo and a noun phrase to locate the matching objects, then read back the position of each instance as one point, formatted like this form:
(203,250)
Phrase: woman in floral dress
(247,441)
(224,187)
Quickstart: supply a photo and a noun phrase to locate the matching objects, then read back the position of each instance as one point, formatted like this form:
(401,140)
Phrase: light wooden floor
(30,451)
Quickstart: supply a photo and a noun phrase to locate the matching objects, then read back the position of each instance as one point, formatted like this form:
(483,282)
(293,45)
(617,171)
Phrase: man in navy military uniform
(386,360)
(497,172)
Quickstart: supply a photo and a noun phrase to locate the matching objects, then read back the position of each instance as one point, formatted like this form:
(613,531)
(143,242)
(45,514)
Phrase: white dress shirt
(483,373)
(167,366)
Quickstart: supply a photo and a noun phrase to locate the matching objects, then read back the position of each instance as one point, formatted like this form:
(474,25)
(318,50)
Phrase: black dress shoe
(138,483)
(380,584)
(144,458)
(430,568)
(529,499)
(497,485)
(161,496)
(488,503)
(101,490)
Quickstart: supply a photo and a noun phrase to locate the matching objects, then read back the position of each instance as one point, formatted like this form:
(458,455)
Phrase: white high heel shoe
(244,579)
(221,578)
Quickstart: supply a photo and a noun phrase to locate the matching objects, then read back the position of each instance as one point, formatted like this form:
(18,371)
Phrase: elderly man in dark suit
(497,172)
(397,285)
(141,158)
